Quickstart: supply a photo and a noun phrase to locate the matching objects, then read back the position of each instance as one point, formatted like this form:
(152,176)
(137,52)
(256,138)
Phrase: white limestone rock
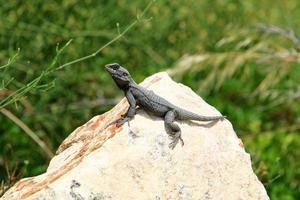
(98,161)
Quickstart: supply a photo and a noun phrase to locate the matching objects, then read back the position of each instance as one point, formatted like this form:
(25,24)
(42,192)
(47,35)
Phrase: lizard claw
(181,141)
(120,122)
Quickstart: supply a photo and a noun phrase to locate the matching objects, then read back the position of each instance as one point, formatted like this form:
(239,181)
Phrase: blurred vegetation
(241,56)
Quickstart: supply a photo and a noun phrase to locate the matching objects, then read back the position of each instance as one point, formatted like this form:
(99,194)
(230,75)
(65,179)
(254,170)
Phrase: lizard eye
(115,67)
(125,74)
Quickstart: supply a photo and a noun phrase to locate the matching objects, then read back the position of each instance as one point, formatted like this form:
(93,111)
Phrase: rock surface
(98,161)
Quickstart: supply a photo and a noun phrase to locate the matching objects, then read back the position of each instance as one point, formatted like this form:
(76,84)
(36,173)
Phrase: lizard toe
(173,144)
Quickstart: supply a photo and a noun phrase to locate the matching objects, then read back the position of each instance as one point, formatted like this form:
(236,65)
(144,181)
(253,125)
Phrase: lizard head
(120,75)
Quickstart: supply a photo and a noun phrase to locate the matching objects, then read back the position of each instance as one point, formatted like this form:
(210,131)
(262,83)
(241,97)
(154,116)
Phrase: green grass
(243,72)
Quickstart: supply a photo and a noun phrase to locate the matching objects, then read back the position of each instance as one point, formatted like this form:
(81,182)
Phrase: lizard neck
(132,83)
(125,86)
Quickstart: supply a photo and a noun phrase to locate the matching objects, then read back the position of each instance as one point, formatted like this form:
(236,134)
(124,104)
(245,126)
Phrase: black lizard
(152,103)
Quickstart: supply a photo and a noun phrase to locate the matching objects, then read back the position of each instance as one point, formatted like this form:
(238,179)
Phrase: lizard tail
(187,115)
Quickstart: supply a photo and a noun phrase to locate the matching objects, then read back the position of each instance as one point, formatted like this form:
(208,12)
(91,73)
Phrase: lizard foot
(120,122)
(176,138)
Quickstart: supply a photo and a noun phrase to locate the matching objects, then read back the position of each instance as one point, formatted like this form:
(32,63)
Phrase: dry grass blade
(289,33)
(28,131)
(187,62)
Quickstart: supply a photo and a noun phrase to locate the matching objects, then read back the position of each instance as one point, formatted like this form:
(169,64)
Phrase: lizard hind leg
(172,129)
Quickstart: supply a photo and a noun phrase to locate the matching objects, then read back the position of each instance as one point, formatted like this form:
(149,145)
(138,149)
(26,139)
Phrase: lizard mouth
(108,68)
(112,67)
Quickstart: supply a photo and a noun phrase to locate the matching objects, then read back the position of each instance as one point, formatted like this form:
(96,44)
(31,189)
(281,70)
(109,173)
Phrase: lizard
(147,100)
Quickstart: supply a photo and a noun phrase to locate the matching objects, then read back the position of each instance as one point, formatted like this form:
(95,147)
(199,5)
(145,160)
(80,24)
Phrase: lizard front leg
(173,130)
(131,110)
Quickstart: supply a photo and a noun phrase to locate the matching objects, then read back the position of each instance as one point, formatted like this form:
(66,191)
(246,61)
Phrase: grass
(239,55)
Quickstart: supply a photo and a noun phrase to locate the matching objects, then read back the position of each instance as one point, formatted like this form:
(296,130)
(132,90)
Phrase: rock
(100,161)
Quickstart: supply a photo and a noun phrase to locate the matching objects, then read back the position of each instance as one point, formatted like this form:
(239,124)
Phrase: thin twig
(27,130)
(11,60)
(121,34)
